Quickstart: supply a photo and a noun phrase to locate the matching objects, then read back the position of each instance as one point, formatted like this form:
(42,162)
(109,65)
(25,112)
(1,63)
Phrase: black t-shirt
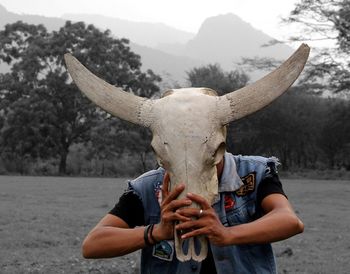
(130,209)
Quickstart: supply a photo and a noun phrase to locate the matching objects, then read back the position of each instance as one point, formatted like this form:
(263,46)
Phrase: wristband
(151,235)
(145,235)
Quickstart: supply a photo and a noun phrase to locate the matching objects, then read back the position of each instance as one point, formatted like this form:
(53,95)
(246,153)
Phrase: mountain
(7,17)
(143,33)
(171,68)
(169,52)
(224,39)
(146,40)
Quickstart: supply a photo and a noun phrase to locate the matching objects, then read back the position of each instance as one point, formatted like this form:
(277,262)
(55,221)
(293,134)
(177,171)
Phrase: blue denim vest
(235,205)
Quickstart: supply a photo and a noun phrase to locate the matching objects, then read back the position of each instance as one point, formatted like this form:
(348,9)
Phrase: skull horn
(112,99)
(247,100)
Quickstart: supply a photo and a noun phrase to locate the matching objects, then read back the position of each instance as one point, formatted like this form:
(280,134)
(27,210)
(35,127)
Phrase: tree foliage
(212,76)
(327,23)
(44,111)
(325,20)
(303,130)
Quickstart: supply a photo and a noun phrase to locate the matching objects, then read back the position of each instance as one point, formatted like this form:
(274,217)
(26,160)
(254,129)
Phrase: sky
(186,15)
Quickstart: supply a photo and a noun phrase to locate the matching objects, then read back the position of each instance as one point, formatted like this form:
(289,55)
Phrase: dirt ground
(44,220)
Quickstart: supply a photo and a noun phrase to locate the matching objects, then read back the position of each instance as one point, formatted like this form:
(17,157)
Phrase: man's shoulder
(254,159)
(151,174)
(149,178)
(246,164)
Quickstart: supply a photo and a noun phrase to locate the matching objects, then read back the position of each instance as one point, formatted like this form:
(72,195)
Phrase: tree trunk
(62,170)
(103,168)
(286,158)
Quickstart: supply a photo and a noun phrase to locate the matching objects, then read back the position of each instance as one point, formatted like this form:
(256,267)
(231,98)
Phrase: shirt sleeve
(130,209)
(269,185)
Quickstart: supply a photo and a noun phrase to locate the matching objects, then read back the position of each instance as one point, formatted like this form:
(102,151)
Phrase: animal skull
(188,125)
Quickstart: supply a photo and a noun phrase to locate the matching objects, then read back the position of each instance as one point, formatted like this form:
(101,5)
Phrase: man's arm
(112,237)
(278,223)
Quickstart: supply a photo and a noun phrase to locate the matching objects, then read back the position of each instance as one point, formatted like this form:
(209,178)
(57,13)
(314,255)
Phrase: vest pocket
(242,214)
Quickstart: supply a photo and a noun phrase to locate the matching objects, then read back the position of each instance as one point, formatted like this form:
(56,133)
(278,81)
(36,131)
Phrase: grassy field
(44,220)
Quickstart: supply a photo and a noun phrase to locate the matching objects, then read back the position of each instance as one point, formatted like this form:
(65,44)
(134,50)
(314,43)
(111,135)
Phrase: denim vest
(236,204)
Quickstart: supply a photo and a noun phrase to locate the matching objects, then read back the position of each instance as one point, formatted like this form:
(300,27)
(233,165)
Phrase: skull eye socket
(219,153)
(159,160)
(160,152)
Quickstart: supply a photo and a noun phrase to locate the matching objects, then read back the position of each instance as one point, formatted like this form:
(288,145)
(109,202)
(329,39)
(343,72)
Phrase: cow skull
(188,125)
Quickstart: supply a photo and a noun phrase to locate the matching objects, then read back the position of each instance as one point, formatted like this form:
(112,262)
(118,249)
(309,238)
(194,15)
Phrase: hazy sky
(182,14)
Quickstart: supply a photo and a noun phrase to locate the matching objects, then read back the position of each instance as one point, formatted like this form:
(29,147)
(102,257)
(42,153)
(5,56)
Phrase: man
(251,212)
(251,209)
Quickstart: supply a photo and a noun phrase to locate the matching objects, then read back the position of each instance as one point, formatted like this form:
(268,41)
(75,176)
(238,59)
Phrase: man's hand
(202,221)
(165,229)
(278,223)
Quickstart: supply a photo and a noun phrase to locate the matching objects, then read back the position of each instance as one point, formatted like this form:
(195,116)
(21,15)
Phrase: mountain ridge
(221,39)
(227,36)
(138,32)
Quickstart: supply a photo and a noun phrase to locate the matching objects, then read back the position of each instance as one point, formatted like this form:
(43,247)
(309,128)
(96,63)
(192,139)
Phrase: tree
(325,20)
(39,86)
(212,76)
(112,138)
(334,138)
(322,132)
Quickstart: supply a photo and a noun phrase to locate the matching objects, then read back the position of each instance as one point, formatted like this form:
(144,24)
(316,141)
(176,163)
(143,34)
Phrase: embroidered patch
(249,185)
(164,250)
(229,202)
(158,192)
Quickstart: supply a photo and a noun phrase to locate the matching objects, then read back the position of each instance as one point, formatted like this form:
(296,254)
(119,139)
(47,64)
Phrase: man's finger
(176,204)
(191,212)
(193,233)
(193,224)
(199,200)
(179,218)
(174,194)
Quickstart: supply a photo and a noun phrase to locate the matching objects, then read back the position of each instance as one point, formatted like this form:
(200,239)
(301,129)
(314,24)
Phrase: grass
(44,220)
(323,206)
